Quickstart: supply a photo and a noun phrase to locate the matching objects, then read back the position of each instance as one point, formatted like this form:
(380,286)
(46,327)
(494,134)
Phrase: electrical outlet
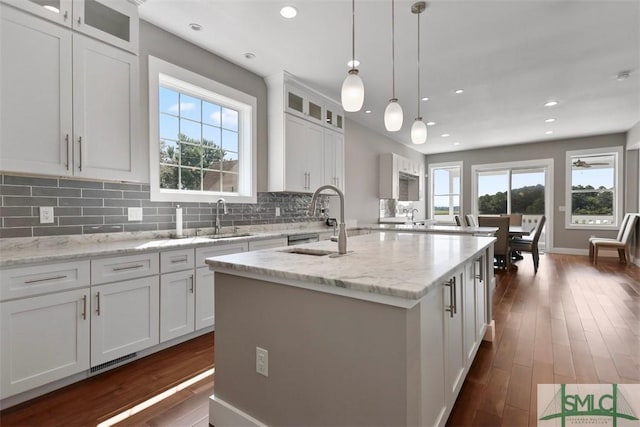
(46,215)
(262,361)
(134,214)
(277,210)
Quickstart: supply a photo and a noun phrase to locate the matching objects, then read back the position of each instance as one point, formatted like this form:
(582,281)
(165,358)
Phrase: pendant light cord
(419,64)
(393,49)
(353,34)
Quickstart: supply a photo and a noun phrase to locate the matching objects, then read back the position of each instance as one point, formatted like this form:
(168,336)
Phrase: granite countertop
(405,265)
(16,252)
(442,229)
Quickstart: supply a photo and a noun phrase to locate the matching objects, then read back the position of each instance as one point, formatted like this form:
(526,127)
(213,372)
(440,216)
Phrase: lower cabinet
(124,318)
(204,311)
(454,335)
(44,339)
(177,304)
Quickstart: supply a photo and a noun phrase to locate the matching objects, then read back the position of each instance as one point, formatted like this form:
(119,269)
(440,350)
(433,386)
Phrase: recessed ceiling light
(459,91)
(288,12)
(425,98)
(51,8)
(250,55)
(551,104)
(445,135)
(456,143)
(367,111)
(431,123)
(195,27)
(353,63)
(550,120)
(549,132)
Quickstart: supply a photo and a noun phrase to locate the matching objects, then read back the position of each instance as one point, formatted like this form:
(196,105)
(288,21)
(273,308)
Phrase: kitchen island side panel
(333,360)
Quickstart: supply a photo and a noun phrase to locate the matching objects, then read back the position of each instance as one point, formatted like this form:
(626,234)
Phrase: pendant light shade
(418,131)
(419,128)
(393,116)
(352,95)
(352,92)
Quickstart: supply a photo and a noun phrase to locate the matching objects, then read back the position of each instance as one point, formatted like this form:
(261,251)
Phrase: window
(594,192)
(202,139)
(446,184)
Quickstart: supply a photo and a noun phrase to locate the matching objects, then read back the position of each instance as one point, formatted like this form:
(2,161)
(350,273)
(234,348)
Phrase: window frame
(618,185)
(446,165)
(162,73)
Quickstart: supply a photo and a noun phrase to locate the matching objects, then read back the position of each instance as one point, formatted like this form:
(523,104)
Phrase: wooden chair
(502,247)
(457,219)
(471,220)
(623,245)
(618,238)
(530,245)
(514,219)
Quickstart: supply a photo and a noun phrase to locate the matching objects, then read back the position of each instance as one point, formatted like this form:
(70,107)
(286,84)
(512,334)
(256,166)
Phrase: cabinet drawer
(178,260)
(113,269)
(39,279)
(231,248)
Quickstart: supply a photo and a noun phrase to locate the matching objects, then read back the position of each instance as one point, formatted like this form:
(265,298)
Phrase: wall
(161,44)
(362,150)
(562,238)
(633,137)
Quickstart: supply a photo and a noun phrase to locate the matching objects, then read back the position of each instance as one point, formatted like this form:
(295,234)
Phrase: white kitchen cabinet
(299,119)
(90,129)
(303,155)
(114,22)
(334,158)
(43,339)
(124,318)
(455,360)
(177,304)
(400,178)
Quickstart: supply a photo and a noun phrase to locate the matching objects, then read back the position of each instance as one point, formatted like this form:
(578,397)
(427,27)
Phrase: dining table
(521,230)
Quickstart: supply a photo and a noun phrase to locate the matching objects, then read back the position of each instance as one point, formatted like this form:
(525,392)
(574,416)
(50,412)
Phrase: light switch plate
(46,215)
(277,210)
(134,214)
(262,361)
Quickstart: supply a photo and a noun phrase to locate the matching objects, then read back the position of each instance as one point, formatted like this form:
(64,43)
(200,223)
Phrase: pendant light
(393,115)
(352,87)
(419,128)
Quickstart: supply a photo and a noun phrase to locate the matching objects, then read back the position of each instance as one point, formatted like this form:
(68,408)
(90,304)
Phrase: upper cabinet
(114,22)
(306,137)
(68,101)
(400,178)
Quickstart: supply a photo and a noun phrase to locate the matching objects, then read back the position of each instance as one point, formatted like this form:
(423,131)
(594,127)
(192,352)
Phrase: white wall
(362,150)
(633,137)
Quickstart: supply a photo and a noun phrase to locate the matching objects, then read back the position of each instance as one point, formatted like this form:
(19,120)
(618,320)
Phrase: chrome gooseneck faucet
(342,232)
(217,227)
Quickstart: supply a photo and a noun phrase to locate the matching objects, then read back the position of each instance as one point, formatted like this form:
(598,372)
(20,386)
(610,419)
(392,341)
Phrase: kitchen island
(383,335)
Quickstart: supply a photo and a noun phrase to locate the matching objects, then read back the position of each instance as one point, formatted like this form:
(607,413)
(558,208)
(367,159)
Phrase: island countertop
(403,265)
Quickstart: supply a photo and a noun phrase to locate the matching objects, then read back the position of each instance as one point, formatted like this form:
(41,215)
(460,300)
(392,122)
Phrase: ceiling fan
(583,164)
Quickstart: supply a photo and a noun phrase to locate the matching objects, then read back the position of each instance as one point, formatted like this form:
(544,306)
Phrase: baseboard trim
(568,251)
(222,414)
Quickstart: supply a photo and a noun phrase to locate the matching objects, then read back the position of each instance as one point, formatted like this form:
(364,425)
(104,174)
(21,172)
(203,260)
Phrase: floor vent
(113,362)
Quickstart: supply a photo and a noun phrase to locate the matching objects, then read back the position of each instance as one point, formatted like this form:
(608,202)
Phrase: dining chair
(457,219)
(514,219)
(471,220)
(623,245)
(618,238)
(530,244)
(502,246)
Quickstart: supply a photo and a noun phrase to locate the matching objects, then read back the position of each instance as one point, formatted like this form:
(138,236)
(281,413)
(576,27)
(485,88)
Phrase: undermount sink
(227,235)
(307,251)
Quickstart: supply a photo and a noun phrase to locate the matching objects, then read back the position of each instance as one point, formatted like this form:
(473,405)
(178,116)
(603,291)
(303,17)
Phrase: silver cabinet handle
(177,260)
(98,303)
(66,15)
(450,308)
(46,279)
(79,20)
(191,284)
(129,267)
(80,150)
(66,138)
(84,307)
(455,296)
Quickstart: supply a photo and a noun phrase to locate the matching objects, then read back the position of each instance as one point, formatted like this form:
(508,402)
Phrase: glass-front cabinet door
(333,117)
(58,11)
(113,22)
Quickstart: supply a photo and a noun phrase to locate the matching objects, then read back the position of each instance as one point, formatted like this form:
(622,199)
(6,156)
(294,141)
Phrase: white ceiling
(510,57)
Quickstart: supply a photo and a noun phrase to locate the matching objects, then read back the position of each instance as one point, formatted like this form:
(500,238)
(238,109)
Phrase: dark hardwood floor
(570,323)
